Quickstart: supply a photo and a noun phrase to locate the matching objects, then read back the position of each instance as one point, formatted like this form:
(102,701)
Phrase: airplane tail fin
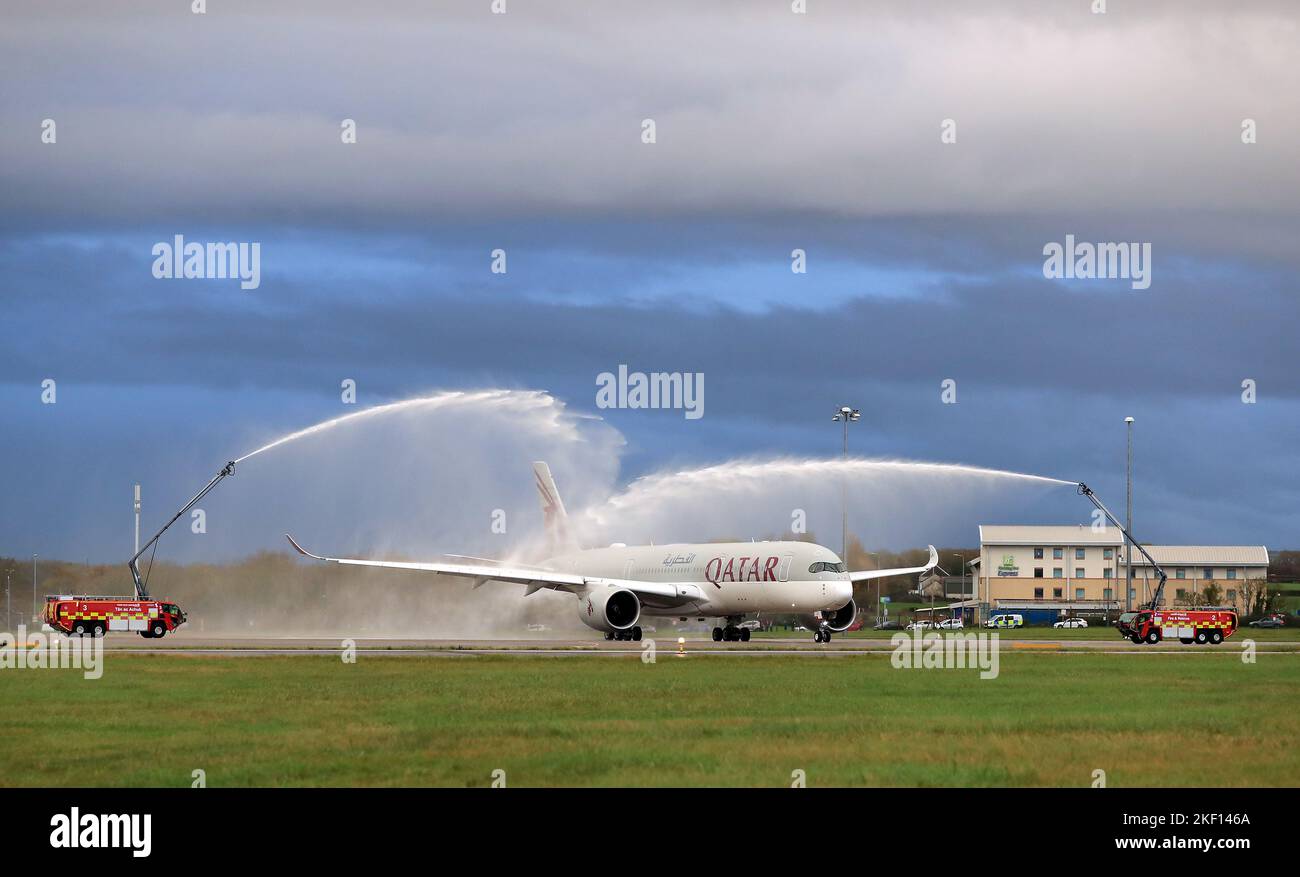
(556,518)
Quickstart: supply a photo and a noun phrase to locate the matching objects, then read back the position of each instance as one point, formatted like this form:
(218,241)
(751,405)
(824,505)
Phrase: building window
(1058,573)
(1181,573)
(1038,554)
(1078,554)
(1232,573)
(1232,595)
(1057,593)
(1108,553)
(1058,553)
(1078,593)
(1132,593)
(1108,593)
(1106,573)
(1181,593)
(1038,572)
(1038,593)
(1207,573)
(1078,573)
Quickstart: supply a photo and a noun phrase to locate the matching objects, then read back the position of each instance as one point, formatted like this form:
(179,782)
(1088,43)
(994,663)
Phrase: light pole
(35,610)
(846,415)
(1128,543)
(876,563)
(962,568)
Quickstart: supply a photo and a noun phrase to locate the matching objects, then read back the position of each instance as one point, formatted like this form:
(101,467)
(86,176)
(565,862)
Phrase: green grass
(1049,719)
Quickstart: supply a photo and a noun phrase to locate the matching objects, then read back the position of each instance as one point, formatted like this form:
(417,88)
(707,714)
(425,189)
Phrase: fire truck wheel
(1153,637)
(1202,637)
(79,629)
(1137,640)
(98,631)
(1216,637)
(158,629)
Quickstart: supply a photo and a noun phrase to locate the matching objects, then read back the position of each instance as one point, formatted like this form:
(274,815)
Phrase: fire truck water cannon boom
(142,585)
(1085,490)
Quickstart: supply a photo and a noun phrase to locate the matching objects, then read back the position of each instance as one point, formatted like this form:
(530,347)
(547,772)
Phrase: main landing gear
(732,633)
(633,634)
(822,635)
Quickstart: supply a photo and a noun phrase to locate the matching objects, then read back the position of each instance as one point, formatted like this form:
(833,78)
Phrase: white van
(1006,620)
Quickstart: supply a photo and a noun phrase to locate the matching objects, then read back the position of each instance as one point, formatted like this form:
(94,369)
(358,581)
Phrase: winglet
(934,558)
(305,553)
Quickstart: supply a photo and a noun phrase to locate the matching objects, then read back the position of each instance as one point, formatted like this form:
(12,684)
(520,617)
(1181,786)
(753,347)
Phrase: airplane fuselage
(716,579)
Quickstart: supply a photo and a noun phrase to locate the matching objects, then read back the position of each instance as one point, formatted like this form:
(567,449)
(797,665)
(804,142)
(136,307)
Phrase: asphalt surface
(182,644)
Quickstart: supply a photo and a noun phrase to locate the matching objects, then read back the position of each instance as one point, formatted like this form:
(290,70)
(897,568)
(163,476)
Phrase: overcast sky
(774,131)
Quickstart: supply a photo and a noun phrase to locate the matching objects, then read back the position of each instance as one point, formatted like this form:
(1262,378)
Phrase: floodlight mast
(141,586)
(1085,490)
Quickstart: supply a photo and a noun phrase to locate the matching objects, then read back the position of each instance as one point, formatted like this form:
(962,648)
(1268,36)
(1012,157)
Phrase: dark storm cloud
(1198,332)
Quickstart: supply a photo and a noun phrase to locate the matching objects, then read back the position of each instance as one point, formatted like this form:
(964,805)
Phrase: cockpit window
(826,566)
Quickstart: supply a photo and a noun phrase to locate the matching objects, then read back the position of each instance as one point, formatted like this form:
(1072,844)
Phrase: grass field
(1049,719)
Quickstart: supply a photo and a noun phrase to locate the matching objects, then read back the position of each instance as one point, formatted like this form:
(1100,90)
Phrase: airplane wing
(535,578)
(866,574)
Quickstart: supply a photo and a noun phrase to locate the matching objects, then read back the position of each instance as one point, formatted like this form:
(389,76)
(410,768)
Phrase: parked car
(1006,620)
(920,625)
(1268,621)
(752,624)
(1071,622)
(950,624)
(888,625)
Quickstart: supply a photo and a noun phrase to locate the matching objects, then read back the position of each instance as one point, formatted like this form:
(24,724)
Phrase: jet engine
(609,609)
(838,620)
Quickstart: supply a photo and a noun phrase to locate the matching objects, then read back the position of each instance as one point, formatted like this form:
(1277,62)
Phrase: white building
(1192,568)
(1070,568)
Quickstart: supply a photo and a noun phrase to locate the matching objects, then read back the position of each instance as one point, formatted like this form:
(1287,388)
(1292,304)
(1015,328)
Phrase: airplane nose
(843,592)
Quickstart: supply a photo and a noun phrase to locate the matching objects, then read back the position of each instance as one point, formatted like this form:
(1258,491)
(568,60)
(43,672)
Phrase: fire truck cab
(1186,625)
(83,615)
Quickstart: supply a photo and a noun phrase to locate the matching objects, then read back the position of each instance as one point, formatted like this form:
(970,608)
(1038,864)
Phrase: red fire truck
(1201,626)
(82,615)
(1151,624)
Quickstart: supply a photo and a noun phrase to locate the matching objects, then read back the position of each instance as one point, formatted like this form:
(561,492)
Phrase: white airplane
(617,585)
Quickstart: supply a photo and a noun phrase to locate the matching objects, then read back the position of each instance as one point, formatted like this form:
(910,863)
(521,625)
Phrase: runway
(181,645)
